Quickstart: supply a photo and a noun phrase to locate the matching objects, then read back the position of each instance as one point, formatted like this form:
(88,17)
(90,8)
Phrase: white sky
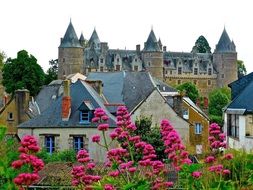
(38,25)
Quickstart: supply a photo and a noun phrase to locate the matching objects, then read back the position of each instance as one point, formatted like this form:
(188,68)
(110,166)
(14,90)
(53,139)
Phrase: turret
(94,40)
(82,40)
(153,56)
(224,59)
(70,55)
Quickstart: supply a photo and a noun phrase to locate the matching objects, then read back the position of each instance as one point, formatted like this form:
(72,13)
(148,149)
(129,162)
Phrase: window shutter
(70,142)
(57,143)
(85,143)
(42,142)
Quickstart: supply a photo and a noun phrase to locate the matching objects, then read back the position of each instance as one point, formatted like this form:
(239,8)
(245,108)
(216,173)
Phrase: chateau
(206,70)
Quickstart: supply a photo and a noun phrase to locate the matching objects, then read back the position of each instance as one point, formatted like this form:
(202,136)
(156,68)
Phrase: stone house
(206,70)
(66,122)
(238,115)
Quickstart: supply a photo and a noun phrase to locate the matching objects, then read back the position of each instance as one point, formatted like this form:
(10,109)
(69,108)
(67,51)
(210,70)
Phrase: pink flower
(17,164)
(96,138)
(228,156)
(109,187)
(114,173)
(196,174)
(169,184)
(103,127)
(209,159)
(95,119)
(225,172)
(132,169)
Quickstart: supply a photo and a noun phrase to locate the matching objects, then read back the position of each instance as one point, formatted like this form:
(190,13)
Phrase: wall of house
(63,141)
(158,108)
(197,139)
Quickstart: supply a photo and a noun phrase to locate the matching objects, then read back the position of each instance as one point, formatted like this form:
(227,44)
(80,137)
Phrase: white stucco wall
(156,106)
(96,152)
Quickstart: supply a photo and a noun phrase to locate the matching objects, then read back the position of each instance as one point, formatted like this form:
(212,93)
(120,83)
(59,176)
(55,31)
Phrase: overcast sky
(38,25)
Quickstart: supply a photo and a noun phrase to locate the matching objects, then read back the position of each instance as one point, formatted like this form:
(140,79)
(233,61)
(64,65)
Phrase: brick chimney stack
(66,101)
(22,102)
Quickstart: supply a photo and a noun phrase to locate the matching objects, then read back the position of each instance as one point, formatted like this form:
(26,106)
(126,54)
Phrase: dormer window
(86,110)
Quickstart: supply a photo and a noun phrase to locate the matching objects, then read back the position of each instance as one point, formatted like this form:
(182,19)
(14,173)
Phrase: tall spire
(70,38)
(225,44)
(151,44)
(94,39)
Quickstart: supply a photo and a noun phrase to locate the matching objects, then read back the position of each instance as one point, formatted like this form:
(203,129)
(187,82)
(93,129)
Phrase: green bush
(63,156)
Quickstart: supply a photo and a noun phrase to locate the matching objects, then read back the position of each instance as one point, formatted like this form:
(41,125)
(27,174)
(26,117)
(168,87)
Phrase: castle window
(166,72)
(101,60)
(209,71)
(179,70)
(135,60)
(50,143)
(222,76)
(136,68)
(117,59)
(209,82)
(10,116)
(170,72)
(63,60)
(78,143)
(101,69)
(198,128)
(178,81)
(195,71)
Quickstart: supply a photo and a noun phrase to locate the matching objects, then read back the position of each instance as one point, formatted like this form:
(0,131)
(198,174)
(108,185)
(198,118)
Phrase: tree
(52,71)
(2,57)
(219,98)
(190,90)
(241,69)
(201,46)
(23,72)
(150,135)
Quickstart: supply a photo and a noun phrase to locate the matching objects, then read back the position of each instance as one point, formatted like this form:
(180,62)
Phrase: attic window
(185,114)
(85,116)
(86,112)
(209,71)
(101,60)
(10,116)
(195,71)
(179,70)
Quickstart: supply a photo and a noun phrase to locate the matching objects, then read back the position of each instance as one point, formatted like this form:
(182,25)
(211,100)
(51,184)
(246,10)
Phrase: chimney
(97,85)
(164,48)
(177,104)
(66,101)
(138,48)
(22,103)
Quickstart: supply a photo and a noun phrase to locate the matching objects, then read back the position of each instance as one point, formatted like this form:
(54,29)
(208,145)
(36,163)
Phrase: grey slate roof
(163,87)
(81,38)
(129,88)
(94,39)
(238,85)
(225,44)
(151,44)
(70,38)
(51,117)
(244,99)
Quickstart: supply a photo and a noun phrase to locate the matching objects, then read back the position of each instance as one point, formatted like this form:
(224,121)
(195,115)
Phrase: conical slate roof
(81,38)
(225,44)
(151,44)
(70,38)
(94,39)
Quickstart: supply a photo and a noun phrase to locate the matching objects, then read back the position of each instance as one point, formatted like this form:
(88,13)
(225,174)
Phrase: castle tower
(152,56)
(82,41)
(71,55)
(224,60)
(94,40)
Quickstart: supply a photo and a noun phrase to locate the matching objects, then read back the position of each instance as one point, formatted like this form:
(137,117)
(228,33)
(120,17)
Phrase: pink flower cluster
(80,173)
(196,174)
(101,117)
(27,150)
(173,145)
(216,138)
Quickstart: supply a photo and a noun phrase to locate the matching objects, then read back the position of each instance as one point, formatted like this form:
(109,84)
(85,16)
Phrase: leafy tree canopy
(52,71)
(190,90)
(201,46)
(23,72)
(241,69)
(2,57)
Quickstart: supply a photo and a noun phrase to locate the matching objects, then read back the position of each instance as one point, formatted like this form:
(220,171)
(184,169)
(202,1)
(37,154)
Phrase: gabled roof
(225,44)
(94,39)
(79,92)
(243,100)
(70,38)
(129,88)
(151,44)
(238,85)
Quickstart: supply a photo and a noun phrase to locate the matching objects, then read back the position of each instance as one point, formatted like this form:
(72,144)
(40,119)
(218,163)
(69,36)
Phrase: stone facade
(206,70)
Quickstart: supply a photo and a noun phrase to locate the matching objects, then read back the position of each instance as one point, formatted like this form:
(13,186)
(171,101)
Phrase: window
(117,59)
(233,125)
(85,116)
(185,114)
(135,60)
(10,116)
(198,128)
(179,70)
(222,76)
(101,69)
(77,143)
(117,67)
(209,82)
(170,72)
(178,81)
(195,71)
(136,68)
(50,144)
(101,60)
(209,71)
